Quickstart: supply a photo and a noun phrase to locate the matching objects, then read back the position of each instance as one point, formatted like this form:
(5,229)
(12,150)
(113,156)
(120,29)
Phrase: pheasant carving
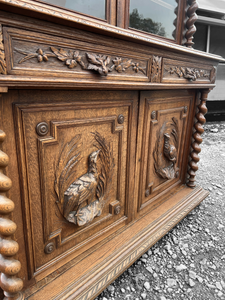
(76,199)
(83,189)
(170,150)
(166,144)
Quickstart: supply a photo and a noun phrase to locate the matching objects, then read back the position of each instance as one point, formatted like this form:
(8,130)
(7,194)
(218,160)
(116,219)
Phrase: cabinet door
(77,157)
(165,121)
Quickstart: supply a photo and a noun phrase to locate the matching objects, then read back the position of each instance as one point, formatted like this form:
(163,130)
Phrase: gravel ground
(188,262)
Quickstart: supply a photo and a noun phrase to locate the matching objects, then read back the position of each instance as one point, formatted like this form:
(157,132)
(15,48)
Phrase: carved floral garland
(96,62)
(191,74)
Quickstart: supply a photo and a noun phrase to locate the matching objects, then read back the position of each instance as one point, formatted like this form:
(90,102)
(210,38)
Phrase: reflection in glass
(154,16)
(94,8)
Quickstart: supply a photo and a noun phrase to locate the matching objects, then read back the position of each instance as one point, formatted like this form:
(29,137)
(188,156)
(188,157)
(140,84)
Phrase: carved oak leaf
(62,54)
(93,59)
(98,63)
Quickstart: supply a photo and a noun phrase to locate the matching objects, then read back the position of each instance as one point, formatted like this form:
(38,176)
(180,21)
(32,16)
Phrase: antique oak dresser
(101,115)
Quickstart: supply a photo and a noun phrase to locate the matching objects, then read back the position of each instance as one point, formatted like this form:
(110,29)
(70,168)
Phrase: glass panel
(217,40)
(94,8)
(200,37)
(154,16)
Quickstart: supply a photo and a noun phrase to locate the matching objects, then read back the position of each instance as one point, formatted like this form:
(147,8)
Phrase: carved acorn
(136,67)
(41,55)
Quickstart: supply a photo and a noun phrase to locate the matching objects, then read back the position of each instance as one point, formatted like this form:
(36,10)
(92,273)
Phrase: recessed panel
(163,141)
(75,180)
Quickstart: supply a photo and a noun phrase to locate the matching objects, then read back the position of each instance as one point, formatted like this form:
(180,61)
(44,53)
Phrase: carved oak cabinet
(100,130)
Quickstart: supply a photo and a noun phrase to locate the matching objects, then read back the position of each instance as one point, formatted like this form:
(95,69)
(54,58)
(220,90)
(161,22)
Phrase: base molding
(126,248)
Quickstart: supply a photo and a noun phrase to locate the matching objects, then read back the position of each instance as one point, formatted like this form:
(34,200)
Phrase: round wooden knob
(42,128)
(120,119)
(49,248)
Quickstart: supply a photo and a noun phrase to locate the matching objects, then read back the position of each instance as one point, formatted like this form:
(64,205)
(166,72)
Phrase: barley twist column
(192,18)
(202,110)
(9,267)
(174,34)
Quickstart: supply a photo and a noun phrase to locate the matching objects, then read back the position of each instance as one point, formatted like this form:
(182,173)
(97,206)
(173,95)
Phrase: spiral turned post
(9,267)
(202,110)
(192,18)
(174,34)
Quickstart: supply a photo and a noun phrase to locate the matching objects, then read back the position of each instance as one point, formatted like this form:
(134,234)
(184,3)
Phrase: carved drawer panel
(162,142)
(75,161)
(183,72)
(46,55)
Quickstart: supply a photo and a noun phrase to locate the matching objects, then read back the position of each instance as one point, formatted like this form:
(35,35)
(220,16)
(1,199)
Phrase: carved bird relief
(165,151)
(77,198)
(83,189)
(170,150)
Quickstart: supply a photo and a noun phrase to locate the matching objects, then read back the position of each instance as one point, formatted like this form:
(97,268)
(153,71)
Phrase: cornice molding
(52,11)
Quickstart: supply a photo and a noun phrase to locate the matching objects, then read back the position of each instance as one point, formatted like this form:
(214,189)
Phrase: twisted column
(9,267)
(202,110)
(174,34)
(192,18)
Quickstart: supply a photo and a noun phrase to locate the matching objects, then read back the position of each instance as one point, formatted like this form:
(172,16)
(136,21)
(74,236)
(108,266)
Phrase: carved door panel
(163,144)
(76,158)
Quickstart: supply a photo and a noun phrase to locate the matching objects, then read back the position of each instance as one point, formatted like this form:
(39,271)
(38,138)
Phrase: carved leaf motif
(93,67)
(191,74)
(107,61)
(62,54)
(93,59)
(127,64)
(2,63)
(64,175)
(107,165)
(95,62)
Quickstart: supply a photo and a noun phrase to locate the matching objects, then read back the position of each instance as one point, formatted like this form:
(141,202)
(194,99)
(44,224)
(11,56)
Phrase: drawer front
(75,159)
(163,139)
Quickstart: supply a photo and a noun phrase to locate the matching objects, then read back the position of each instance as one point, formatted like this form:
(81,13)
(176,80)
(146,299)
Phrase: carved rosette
(202,110)
(9,267)
(2,54)
(192,18)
